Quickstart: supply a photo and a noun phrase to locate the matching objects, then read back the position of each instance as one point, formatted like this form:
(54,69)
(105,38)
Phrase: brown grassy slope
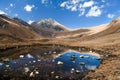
(111,28)
(109,68)
(109,41)
(11,31)
(92,33)
(71,34)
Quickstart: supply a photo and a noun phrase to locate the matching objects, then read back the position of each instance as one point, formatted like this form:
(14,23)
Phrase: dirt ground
(108,70)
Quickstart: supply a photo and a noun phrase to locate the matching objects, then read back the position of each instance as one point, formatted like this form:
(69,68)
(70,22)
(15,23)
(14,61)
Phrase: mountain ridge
(49,28)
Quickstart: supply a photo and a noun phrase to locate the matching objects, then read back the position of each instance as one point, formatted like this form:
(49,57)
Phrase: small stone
(36,72)
(26,69)
(7,65)
(29,56)
(53,60)
(1,64)
(81,56)
(81,63)
(34,61)
(6,59)
(52,72)
(90,51)
(72,70)
(54,52)
(31,74)
(45,53)
(21,56)
(56,77)
(39,60)
(59,63)
(77,71)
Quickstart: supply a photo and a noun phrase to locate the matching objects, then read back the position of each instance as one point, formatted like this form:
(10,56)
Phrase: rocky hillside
(12,31)
(48,27)
(17,30)
(21,21)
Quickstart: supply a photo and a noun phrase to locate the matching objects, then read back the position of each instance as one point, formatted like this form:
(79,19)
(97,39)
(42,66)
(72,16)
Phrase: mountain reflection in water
(47,65)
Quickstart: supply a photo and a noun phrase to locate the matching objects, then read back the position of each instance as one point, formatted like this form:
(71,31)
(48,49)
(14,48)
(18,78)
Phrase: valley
(15,34)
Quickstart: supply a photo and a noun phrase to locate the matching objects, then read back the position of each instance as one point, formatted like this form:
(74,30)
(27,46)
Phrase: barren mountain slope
(11,31)
(93,32)
(48,27)
(72,34)
(110,28)
(81,33)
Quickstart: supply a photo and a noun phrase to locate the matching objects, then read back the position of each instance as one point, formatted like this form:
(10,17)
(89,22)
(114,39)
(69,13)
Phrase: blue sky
(71,13)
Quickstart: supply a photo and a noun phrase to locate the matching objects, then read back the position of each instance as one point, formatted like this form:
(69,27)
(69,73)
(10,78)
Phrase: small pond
(40,65)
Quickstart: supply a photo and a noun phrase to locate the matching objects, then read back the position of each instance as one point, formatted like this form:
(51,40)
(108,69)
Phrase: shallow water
(47,65)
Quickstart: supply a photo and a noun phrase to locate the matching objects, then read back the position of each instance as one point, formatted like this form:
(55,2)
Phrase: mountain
(12,31)
(80,33)
(104,30)
(48,27)
(93,32)
(21,21)
(17,30)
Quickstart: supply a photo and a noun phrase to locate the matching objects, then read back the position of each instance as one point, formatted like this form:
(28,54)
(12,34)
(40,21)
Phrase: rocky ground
(108,70)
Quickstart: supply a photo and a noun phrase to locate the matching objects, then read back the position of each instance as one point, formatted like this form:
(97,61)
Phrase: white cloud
(94,12)
(82,12)
(29,7)
(88,4)
(11,5)
(74,8)
(30,21)
(16,15)
(75,1)
(103,0)
(63,4)
(90,8)
(71,5)
(6,8)
(45,1)
(2,12)
(110,16)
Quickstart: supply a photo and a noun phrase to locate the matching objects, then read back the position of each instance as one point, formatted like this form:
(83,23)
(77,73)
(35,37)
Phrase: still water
(47,65)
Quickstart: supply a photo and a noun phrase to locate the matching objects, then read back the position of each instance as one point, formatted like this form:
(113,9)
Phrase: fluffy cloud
(88,4)
(110,16)
(30,22)
(11,5)
(28,8)
(16,15)
(2,12)
(94,11)
(63,4)
(46,2)
(88,8)
(103,0)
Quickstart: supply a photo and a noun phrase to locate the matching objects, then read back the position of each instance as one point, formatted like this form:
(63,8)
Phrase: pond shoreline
(77,48)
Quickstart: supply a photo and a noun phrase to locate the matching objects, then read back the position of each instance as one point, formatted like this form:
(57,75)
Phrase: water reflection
(47,65)
(73,60)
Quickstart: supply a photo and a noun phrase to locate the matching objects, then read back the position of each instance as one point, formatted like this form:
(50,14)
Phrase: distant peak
(118,18)
(4,16)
